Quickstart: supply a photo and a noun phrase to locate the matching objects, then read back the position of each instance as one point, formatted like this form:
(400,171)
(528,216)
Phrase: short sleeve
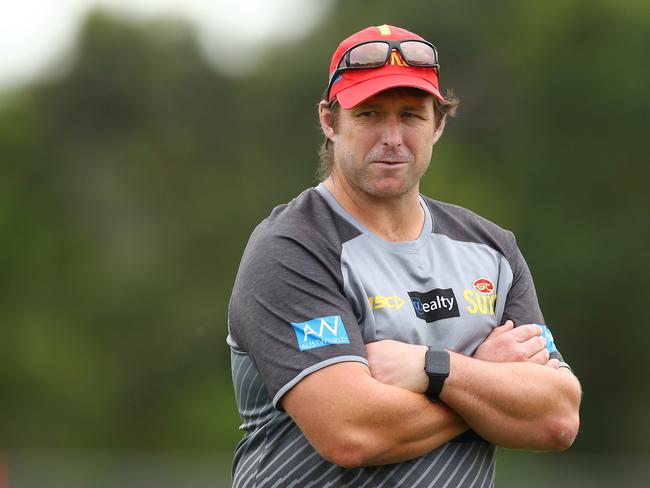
(522,306)
(288,310)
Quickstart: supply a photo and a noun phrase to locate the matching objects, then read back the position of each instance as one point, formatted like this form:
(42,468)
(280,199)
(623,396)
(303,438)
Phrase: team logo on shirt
(319,332)
(483,286)
(437,304)
(481,297)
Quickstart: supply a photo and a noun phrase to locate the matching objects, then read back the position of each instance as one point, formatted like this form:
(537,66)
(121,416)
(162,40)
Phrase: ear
(325,116)
(439,130)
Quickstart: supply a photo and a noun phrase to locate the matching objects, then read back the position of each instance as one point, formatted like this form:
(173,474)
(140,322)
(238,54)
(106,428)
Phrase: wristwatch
(436,366)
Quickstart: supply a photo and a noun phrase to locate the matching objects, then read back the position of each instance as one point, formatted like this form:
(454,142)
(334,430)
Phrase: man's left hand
(508,343)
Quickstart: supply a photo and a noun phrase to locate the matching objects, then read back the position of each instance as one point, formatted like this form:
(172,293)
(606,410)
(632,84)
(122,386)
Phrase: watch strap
(436,383)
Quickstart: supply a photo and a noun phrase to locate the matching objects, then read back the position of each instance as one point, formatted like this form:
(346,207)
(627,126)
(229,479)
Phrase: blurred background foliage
(129,186)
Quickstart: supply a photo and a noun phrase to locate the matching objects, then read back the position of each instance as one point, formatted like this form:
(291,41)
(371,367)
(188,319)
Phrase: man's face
(382,147)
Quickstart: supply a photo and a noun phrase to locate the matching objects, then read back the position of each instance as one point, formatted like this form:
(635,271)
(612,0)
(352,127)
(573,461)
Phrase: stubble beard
(366,179)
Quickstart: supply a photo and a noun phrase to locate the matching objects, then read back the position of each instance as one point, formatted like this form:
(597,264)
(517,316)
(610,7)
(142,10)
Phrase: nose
(392,132)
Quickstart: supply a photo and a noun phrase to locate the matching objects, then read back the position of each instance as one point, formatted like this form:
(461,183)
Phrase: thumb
(497,331)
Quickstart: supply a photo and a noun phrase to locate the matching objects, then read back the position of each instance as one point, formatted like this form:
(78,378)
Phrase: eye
(368,113)
(416,116)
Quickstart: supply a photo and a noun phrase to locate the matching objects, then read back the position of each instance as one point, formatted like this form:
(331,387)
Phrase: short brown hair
(326,152)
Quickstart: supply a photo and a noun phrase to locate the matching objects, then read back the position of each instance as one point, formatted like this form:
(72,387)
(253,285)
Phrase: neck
(394,219)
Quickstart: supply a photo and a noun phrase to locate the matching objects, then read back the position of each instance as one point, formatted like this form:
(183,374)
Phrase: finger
(540,357)
(497,331)
(533,345)
(525,332)
(553,363)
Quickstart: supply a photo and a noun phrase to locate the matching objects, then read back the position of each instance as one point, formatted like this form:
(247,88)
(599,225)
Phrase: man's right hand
(508,343)
(398,364)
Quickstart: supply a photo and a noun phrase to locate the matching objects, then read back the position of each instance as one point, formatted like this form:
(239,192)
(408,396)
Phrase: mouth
(390,164)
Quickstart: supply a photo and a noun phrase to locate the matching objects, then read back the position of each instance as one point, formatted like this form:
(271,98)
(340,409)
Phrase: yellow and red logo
(483,286)
(482,298)
(396,59)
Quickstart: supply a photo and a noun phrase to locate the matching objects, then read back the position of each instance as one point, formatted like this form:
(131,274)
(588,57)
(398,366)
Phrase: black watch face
(437,362)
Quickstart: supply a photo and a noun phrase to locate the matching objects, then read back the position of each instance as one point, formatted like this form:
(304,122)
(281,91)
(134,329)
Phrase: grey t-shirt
(314,286)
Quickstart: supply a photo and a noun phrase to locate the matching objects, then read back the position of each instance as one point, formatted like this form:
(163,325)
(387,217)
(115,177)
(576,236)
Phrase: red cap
(355,86)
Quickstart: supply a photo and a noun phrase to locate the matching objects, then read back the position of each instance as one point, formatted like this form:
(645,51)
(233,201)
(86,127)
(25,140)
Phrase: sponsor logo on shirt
(437,304)
(481,297)
(320,332)
(386,301)
(546,334)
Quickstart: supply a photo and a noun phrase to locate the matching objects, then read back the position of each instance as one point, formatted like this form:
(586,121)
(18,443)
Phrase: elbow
(561,432)
(562,428)
(346,458)
(353,450)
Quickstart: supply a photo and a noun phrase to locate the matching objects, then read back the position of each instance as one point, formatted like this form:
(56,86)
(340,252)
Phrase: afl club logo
(481,297)
(483,286)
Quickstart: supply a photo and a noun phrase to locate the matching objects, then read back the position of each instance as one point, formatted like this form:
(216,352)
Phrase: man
(365,318)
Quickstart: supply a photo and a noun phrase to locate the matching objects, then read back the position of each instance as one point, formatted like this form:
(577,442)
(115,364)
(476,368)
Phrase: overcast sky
(35,33)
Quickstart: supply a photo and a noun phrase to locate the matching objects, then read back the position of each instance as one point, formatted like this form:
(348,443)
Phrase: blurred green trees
(129,187)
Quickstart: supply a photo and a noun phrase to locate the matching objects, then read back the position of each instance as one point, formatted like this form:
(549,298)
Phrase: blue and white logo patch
(546,334)
(319,332)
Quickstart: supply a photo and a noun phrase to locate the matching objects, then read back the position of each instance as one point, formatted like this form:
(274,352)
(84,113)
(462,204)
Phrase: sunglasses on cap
(375,54)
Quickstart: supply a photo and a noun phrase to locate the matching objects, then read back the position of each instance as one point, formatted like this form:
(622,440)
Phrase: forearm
(405,425)
(374,423)
(517,405)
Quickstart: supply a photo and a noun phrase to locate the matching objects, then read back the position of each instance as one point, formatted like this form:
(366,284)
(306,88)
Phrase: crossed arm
(508,392)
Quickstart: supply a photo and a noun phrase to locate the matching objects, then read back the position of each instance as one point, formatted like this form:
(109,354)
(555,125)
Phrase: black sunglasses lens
(369,55)
(418,53)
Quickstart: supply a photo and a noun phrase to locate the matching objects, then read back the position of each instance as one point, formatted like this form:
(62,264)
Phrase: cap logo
(384,29)
(396,59)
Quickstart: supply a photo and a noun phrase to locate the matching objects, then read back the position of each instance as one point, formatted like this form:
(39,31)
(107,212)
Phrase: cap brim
(359,92)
